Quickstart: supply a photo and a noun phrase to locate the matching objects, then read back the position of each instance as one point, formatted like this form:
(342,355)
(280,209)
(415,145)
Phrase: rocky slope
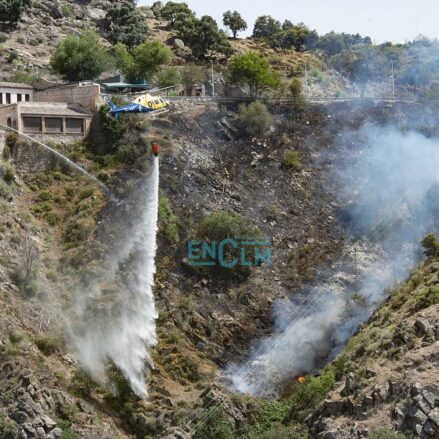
(390,371)
(204,322)
(26,49)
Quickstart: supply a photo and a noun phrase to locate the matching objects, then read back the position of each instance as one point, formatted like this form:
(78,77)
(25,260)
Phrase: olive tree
(234,22)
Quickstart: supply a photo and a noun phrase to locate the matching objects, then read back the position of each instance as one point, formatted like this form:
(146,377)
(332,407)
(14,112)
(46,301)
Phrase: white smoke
(387,184)
(118,312)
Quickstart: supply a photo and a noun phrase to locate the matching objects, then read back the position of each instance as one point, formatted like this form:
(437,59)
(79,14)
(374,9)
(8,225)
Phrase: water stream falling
(119,326)
(63,158)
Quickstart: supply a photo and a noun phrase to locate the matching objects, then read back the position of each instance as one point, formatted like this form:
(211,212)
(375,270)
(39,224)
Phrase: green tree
(193,75)
(234,21)
(333,43)
(11,10)
(144,61)
(361,65)
(203,36)
(253,70)
(172,10)
(80,57)
(299,36)
(168,77)
(296,91)
(157,9)
(418,73)
(125,24)
(266,27)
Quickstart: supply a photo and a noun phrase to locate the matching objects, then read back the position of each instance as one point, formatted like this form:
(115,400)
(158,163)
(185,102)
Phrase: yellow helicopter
(143,104)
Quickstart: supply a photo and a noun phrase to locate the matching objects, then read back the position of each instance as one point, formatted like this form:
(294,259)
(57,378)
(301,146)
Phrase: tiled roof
(15,85)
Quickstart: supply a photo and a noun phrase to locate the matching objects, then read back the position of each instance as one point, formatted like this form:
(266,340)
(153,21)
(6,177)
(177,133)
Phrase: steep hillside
(57,229)
(26,48)
(388,373)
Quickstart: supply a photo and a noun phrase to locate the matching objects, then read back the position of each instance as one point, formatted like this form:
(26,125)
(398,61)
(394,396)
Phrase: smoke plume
(388,187)
(116,314)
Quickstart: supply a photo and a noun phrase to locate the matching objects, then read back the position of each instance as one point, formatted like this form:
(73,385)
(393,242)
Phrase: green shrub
(309,394)
(430,245)
(76,232)
(9,174)
(8,428)
(41,207)
(123,393)
(168,222)
(221,225)
(291,159)
(425,297)
(296,91)
(10,350)
(82,384)
(86,193)
(52,218)
(128,153)
(24,77)
(69,434)
(45,196)
(268,414)
(49,343)
(173,337)
(384,433)
(67,10)
(5,190)
(70,192)
(278,431)
(255,119)
(215,425)
(24,276)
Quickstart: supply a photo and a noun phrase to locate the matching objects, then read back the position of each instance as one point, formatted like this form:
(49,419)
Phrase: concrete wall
(2,142)
(14,92)
(87,96)
(57,138)
(10,111)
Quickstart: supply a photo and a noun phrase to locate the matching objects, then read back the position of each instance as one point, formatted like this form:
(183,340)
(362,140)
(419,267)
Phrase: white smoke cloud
(387,186)
(117,312)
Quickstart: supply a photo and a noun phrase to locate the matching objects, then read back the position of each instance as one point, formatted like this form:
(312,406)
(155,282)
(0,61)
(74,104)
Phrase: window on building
(75,126)
(19,97)
(53,125)
(1,98)
(32,124)
(9,122)
(8,98)
(27,98)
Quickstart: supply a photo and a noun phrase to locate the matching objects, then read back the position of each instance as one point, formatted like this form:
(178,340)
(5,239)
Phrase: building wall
(14,92)
(87,96)
(7,112)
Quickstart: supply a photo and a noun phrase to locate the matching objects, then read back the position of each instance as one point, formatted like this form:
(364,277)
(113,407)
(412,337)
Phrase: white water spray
(121,328)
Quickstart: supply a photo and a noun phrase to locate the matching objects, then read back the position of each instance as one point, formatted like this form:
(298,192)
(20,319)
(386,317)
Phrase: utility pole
(213,80)
(356,271)
(306,79)
(393,79)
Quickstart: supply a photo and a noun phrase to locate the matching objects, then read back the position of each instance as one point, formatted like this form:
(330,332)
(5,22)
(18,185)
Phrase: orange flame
(300,379)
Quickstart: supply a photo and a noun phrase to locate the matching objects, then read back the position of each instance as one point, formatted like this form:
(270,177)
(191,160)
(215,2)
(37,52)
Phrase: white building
(13,92)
